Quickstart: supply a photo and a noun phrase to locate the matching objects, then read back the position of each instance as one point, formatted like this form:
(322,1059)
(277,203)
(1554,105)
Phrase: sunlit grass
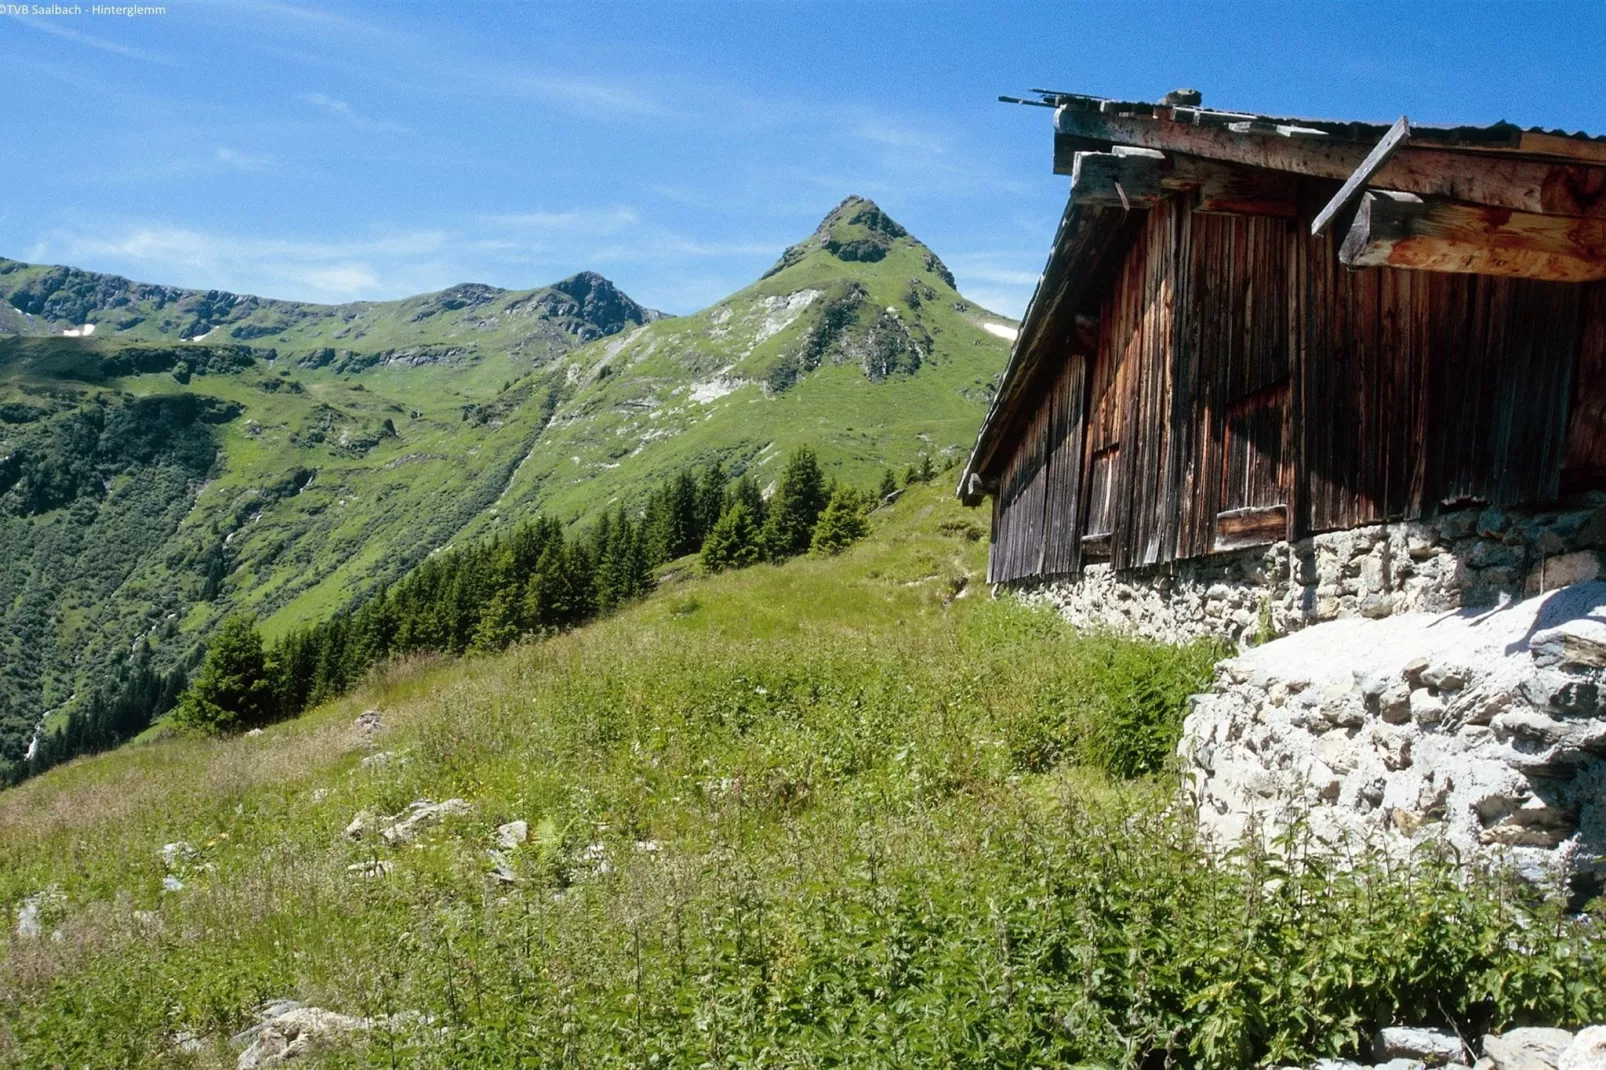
(848,819)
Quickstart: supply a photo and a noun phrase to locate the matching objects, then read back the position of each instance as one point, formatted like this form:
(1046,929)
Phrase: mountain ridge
(150,487)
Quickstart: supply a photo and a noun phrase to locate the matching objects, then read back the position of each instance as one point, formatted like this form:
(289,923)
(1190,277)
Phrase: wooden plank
(1117,180)
(1256,526)
(1395,229)
(1584,465)
(1246,191)
(1381,153)
(1062,550)
(1503,181)
(1585,150)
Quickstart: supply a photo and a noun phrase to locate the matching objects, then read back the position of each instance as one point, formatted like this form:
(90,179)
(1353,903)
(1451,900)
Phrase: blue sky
(342,151)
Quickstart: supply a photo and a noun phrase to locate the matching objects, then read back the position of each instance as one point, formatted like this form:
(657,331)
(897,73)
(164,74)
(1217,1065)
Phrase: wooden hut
(1253,329)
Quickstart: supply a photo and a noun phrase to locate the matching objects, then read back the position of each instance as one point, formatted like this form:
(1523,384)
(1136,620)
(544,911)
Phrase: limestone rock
(1572,644)
(1432,1046)
(422,813)
(1526,1049)
(1586,1052)
(178,851)
(512,834)
(1494,753)
(298,1034)
(30,920)
(360,825)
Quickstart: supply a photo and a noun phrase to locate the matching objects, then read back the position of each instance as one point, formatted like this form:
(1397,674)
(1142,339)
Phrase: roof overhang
(1498,200)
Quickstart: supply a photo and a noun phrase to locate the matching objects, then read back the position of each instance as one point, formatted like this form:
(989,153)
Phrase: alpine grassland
(848,811)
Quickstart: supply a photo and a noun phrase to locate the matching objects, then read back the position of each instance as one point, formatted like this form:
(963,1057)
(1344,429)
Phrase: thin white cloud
(387,266)
(241,161)
(116,48)
(588,221)
(341,109)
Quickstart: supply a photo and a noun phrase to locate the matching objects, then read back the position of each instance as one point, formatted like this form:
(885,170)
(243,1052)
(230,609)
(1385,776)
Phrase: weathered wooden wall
(1248,387)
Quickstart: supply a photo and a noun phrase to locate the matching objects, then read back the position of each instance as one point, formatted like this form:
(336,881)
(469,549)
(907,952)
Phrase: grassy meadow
(841,812)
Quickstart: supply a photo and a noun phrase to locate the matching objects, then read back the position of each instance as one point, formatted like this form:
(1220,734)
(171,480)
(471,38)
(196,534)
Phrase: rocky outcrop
(405,826)
(1485,728)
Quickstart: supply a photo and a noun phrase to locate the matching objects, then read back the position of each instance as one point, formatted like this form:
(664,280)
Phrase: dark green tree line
(538,580)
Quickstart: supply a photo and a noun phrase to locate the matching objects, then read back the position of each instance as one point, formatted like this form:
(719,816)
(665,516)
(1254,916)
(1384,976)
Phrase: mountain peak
(858,230)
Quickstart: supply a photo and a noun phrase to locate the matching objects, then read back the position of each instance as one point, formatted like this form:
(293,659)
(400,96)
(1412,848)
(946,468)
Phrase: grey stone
(1432,1046)
(422,813)
(1458,525)
(1564,570)
(177,852)
(512,834)
(1586,1052)
(1526,1049)
(1444,677)
(1567,695)
(1426,708)
(1579,643)
(298,1034)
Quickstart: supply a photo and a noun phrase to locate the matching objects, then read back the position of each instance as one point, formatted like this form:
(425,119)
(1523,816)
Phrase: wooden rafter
(1395,229)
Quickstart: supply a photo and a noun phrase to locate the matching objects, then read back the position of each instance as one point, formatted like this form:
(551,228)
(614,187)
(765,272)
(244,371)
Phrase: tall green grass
(817,815)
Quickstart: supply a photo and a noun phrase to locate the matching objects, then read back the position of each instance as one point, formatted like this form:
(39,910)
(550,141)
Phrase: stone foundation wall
(1466,557)
(1482,728)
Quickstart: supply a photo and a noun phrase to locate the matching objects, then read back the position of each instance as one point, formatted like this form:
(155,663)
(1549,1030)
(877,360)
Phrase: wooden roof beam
(1145,176)
(1401,230)
(1540,186)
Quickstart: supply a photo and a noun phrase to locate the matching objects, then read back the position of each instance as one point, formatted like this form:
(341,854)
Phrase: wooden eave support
(1358,180)
(1505,181)
(1401,230)
(1145,177)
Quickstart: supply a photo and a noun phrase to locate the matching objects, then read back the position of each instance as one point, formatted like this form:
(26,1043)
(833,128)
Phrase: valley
(295,458)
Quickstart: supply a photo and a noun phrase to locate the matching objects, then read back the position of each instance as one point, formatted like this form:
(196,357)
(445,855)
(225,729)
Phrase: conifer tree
(710,499)
(746,491)
(910,476)
(498,626)
(734,541)
(889,485)
(232,690)
(926,471)
(841,524)
(799,498)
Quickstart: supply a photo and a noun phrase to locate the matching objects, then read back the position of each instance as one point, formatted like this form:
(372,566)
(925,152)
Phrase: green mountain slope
(148,487)
(856,342)
(461,327)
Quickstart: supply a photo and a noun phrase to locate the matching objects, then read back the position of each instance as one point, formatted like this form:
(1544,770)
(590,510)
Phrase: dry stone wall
(1466,557)
(1484,729)
(1440,681)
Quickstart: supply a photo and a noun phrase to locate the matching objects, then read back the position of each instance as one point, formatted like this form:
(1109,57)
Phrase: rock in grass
(512,834)
(1433,1047)
(297,1034)
(1586,1052)
(30,925)
(376,868)
(405,825)
(1526,1049)
(360,824)
(177,852)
